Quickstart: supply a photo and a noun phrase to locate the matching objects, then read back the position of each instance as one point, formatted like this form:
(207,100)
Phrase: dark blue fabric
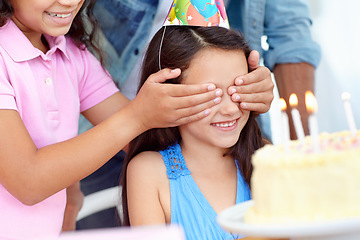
(105,177)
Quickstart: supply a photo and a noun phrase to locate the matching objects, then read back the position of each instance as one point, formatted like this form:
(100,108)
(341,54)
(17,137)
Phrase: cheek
(244,118)
(245,114)
(194,129)
(79,6)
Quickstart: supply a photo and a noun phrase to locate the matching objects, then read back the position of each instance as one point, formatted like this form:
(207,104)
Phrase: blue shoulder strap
(174,161)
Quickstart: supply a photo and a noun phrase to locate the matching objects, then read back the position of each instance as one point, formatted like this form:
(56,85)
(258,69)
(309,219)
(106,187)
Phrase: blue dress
(189,207)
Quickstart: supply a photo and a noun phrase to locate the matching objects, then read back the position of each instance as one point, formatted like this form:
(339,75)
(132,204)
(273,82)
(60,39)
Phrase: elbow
(28,199)
(27,195)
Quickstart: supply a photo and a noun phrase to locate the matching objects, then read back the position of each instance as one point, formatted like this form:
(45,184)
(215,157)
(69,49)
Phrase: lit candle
(311,107)
(285,124)
(293,100)
(348,111)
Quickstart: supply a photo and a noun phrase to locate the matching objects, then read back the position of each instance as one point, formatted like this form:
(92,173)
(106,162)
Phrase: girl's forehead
(217,66)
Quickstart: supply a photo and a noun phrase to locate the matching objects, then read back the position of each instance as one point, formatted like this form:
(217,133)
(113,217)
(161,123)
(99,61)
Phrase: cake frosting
(300,184)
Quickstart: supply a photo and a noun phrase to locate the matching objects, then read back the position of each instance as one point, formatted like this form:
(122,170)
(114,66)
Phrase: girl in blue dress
(188,174)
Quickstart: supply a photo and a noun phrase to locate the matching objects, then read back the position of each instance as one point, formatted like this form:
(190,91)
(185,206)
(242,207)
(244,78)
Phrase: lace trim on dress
(174,162)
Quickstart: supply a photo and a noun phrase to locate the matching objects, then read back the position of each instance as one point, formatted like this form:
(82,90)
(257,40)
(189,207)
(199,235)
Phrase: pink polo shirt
(49,91)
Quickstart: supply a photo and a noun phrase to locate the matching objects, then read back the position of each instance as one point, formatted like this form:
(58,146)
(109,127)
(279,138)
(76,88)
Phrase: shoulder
(78,53)
(146,178)
(147,159)
(85,64)
(75,50)
(147,165)
(148,192)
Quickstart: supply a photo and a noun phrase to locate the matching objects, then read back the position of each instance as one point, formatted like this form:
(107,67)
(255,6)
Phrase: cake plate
(232,220)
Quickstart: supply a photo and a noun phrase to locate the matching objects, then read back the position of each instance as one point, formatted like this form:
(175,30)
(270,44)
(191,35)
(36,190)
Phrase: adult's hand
(254,91)
(295,78)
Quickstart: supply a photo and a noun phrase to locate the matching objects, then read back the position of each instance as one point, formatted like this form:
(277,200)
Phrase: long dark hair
(84,37)
(179,46)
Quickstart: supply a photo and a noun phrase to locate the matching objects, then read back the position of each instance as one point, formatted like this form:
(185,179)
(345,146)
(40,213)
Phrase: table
(258,238)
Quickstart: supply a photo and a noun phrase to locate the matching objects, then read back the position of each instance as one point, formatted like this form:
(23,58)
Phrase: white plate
(232,219)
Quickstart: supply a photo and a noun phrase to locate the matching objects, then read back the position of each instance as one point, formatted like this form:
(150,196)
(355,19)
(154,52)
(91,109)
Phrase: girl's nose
(227,106)
(70,2)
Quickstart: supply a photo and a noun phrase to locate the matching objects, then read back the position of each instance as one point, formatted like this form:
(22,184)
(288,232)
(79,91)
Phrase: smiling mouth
(224,124)
(59,15)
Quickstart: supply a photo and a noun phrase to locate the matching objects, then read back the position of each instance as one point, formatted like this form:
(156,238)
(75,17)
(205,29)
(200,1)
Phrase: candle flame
(345,96)
(310,101)
(282,104)
(293,100)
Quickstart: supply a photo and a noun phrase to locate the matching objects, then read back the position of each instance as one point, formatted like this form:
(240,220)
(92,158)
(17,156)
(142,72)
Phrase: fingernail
(218,93)
(243,105)
(239,81)
(211,87)
(174,70)
(217,100)
(232,90)
(207,112)
(237,98)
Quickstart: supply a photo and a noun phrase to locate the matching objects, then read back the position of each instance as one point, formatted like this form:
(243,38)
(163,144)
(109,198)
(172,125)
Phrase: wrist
(133,118)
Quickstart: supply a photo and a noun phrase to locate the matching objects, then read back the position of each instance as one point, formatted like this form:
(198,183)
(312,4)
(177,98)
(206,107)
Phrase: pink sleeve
(7,95)
(96,85)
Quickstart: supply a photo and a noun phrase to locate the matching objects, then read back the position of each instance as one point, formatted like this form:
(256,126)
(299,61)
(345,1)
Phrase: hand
(295,78)
(254,90)
(75,199)
(168,105)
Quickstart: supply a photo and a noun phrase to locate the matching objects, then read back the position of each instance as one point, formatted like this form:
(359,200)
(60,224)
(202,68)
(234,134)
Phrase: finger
(186,115)
(179,110)
(253,60)
(257,87)
(261,73)
(194,117)
(192,101)
(265,98)
(180,90)
(163,75)
(190,114)
(255,107)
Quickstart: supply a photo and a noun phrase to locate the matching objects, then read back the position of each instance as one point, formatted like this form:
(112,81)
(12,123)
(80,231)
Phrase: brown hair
(179,46)
(83,29)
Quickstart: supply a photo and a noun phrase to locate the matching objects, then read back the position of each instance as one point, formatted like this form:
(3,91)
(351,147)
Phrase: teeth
(59,15)
(228,124)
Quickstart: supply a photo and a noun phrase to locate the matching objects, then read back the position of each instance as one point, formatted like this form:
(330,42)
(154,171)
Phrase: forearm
(50,169)
(295,78)
(74,202)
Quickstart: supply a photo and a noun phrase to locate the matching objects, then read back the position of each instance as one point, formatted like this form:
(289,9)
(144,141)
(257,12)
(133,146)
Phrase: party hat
(197,13)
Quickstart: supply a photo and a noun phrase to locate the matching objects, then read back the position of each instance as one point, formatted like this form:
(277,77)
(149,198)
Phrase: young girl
(46,80)
(188,174)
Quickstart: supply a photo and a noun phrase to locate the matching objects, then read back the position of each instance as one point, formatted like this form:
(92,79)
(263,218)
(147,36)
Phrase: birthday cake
(300,184)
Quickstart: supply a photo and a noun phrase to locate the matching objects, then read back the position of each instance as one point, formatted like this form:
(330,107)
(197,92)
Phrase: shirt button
(48,81)
(254,24)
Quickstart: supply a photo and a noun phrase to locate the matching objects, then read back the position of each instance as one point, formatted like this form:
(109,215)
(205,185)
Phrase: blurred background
(336,28)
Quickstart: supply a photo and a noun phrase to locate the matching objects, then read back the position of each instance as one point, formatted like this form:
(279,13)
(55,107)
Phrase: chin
(227,145)
(59,32)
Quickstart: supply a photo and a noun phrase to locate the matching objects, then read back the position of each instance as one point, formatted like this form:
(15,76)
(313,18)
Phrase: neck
(44,47)
(200,155)
(37,39)
(39,42)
